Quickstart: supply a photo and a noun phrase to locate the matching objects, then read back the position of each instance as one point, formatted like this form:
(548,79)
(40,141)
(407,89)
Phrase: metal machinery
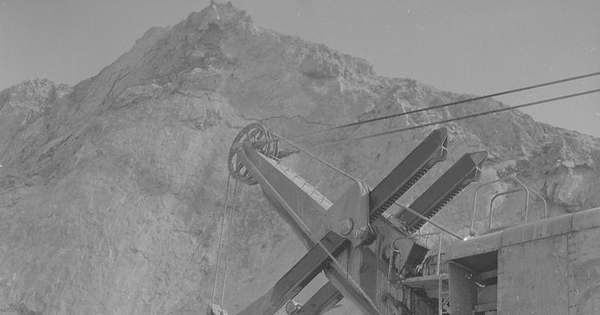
(362,251)
(551,266)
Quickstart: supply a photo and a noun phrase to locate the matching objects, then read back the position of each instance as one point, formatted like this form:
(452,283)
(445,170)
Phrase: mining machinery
(373,257)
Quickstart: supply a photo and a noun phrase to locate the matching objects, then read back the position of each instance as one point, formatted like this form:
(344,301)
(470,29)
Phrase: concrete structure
(546,267)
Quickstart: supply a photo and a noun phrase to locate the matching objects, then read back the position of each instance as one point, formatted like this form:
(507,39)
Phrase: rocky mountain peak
(33,94)
(112,192)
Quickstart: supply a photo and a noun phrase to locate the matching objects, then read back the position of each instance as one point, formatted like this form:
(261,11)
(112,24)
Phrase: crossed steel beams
(305,211)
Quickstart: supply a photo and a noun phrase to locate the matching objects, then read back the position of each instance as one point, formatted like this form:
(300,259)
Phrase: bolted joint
(365,234)
(292,307)
(360,232)
(345,227)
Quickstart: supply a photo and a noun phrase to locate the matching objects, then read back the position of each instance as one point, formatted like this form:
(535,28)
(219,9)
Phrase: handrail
(471,232)
(537,194)
(527,196)
(492,203)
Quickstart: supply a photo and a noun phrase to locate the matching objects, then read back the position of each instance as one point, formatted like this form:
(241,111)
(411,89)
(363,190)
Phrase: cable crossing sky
(579,77)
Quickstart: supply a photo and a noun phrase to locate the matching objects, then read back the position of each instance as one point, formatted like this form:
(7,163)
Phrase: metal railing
(490,211)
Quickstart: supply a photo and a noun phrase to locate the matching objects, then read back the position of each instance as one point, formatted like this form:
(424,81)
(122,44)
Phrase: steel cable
(278,137)
(456,118)
(448,104)
(212,299)
(231,227)
(318,242)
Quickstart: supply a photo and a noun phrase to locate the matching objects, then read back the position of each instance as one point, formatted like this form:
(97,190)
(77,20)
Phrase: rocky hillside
(112,191)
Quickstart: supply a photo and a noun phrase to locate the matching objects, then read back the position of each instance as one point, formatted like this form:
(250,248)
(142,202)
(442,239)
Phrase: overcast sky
(475,47)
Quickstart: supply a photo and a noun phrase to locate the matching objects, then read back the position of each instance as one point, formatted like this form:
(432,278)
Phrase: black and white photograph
(299,157)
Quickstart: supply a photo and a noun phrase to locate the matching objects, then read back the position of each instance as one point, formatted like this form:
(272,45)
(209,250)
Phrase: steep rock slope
(112,192)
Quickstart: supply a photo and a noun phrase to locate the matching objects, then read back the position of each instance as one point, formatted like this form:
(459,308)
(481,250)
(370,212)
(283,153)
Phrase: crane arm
(357,248)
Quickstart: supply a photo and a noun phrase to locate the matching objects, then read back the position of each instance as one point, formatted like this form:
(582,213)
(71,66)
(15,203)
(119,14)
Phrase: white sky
(467,46)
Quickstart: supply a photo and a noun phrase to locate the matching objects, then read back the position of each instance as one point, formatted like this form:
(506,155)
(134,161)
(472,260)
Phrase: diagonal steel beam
(429,152)
(304,271)
(297,202)
(322,301)
(304,209)
(450,184)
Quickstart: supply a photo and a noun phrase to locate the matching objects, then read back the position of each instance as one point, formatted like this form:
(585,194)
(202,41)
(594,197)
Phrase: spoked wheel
(262,141)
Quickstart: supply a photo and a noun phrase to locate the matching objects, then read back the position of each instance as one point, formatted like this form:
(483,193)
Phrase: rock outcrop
(112,191)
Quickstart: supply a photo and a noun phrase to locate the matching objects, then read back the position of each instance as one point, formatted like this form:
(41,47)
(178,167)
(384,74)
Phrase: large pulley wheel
(262,141)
